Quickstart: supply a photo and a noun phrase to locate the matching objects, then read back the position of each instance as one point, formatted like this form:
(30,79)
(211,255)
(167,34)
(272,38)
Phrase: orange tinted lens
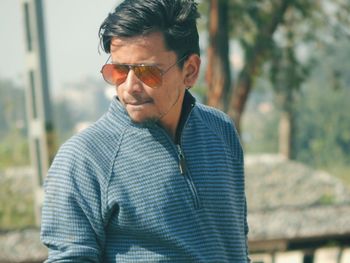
(115,74)
(150,75)
(120,73)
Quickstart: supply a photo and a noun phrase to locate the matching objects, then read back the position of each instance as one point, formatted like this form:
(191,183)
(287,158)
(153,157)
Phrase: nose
(132,83)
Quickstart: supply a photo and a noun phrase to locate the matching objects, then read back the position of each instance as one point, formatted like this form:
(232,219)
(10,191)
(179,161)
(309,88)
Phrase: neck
(170,119)
(186,105)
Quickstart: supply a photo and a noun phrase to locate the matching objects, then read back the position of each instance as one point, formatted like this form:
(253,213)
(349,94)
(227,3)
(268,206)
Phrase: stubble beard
(152,120)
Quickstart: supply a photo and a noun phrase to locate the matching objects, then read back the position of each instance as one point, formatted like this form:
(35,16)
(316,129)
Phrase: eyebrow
(140,64)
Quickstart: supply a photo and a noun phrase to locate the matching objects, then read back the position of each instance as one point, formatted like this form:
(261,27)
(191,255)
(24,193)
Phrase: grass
(16,203)
(341,171)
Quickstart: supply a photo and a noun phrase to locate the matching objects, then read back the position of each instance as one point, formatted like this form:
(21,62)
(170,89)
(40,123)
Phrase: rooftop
(288,200)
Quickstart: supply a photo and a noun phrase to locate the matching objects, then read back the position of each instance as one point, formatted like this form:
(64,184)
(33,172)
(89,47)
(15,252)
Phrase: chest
(149,188)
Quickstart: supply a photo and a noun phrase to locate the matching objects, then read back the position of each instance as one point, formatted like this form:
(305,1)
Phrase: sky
(71,38)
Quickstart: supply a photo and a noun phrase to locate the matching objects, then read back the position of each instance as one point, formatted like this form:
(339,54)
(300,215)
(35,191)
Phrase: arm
(238,150)
(72,225)
(246,230)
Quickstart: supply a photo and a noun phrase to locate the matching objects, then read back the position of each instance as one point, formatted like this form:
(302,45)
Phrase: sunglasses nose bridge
(132,81)
(133,70)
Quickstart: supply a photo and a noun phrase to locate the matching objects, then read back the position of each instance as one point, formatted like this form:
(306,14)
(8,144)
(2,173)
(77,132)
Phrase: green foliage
(199,91)
(323,131)
(342,171)
(327,199)
(260,122)
(14,150)
(64,121)
(322,134)
(16,203)
(323,116)
(13,130)
(12,107)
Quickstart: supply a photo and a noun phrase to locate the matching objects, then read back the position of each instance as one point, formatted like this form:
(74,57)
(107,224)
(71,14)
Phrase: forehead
(151,41)
(141,49)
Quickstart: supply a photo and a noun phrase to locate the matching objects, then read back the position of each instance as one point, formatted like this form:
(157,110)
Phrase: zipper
(185,173)
(182,160)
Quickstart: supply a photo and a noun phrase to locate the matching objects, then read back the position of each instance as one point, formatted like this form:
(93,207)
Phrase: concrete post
(40,120)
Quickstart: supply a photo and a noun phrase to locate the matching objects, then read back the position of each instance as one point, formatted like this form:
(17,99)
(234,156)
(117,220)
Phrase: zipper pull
(182,161)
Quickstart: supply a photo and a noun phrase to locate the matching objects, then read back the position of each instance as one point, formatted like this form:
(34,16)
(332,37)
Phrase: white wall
(327,255)
(345,256)
(290,257)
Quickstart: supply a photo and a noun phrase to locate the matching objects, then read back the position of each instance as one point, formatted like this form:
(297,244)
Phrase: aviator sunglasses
(151,75)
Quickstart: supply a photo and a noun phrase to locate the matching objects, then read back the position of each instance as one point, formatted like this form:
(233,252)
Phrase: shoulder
(222,125)
(93,149)
(214,118)
(101,136)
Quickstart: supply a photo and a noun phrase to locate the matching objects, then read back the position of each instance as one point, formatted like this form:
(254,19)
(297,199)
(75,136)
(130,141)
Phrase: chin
(144,119)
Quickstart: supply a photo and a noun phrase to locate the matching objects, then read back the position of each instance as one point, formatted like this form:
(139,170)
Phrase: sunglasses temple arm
(108,59)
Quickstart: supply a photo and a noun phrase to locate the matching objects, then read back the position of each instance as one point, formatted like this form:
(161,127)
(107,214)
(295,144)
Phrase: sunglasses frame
(137,72)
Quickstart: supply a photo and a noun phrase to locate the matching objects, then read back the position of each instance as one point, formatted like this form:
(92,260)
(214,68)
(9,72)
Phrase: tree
(287,73)
(218,71)
(322,110)
(257,47)
(261,20)
(254,24)
(311,93)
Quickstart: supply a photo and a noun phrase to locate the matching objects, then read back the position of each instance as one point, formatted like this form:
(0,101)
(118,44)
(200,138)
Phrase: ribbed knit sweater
(125,192)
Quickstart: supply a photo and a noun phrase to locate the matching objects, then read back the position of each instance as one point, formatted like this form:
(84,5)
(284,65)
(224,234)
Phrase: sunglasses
(151,75)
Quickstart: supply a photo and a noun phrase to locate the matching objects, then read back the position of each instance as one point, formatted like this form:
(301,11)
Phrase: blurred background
(279,68)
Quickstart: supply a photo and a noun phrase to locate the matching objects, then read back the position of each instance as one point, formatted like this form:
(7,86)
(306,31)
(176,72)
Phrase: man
(159,178)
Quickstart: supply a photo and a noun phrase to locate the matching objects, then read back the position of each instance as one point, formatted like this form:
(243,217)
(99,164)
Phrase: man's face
(144,103)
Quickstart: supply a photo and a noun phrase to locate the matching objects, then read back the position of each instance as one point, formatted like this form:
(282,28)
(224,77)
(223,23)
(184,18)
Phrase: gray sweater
(124,192)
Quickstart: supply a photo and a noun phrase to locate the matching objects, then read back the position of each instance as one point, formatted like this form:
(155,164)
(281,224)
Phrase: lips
(137,103)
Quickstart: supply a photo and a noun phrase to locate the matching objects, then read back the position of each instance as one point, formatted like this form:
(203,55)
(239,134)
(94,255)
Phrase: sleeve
(239,153)
(72,227)
(246,231)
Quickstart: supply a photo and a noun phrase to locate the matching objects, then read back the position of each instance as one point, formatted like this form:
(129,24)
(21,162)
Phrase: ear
(191,70)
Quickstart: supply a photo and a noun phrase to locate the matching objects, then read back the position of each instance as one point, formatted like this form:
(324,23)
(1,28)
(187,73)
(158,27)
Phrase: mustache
(137,100)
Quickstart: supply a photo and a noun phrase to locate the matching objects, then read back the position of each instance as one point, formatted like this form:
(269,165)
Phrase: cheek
(122,94)
(168,97)
(119,92)
(173,87)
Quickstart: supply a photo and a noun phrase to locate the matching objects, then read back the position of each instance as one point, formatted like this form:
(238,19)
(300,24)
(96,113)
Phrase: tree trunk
(286,125)
(240,97)
(285,134)
(254,60)
(218,74)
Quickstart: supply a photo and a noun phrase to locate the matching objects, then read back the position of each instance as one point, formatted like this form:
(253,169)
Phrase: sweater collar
(187,106)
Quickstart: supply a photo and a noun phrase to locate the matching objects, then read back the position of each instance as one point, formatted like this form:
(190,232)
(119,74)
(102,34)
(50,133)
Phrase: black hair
(176,19)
